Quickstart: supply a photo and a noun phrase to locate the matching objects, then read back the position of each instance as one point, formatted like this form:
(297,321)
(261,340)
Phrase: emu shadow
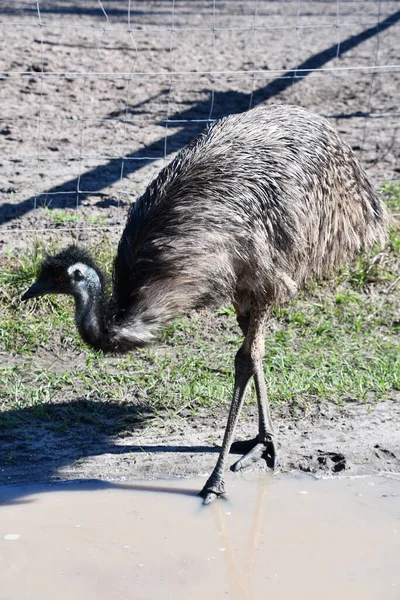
(36,442)
(20,494)
(222,103)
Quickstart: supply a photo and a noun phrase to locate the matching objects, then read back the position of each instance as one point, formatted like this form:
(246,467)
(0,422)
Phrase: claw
(272,456)
(214,488)
(210,497)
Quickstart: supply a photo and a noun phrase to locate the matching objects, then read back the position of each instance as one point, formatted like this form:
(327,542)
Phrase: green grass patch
(69,216)
(337,342)
(391,196)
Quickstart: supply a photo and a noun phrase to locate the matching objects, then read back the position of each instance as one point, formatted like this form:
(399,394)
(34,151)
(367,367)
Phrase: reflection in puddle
(240,569)
(291,538)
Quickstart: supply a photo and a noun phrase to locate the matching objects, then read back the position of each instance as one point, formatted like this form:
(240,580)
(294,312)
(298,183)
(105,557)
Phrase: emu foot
(254,450)
(214,488)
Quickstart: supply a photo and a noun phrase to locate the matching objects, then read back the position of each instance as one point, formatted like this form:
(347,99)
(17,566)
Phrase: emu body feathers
(248,210)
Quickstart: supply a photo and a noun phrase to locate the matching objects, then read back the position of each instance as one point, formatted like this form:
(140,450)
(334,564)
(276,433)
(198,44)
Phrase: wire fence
(98,95)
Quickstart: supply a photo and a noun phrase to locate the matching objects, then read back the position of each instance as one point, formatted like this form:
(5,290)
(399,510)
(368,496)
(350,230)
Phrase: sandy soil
(89,110)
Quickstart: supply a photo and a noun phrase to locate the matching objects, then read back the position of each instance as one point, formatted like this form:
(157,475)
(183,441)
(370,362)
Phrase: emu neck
(89,312)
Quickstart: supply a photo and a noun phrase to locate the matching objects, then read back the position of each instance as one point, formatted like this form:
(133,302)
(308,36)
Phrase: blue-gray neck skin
(89,306)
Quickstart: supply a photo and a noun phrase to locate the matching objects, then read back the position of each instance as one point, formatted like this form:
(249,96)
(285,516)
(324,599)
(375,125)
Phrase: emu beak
(38,289)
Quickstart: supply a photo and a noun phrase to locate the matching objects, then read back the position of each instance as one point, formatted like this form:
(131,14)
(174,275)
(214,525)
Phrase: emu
(244,214)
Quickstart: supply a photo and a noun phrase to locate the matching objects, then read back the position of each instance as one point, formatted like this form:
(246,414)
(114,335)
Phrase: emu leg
(262,446)
(215,485)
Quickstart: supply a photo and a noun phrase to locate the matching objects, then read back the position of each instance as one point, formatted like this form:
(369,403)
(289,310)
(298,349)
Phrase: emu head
(71,272)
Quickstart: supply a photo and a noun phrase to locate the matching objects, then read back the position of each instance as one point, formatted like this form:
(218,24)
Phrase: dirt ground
(93,100)
(356,439)
(90,110)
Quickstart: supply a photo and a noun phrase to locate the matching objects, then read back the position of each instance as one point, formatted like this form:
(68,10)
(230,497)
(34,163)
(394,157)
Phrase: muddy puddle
(284,538)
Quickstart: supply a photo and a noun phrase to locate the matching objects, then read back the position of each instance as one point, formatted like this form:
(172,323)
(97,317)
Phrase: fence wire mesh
(97,95)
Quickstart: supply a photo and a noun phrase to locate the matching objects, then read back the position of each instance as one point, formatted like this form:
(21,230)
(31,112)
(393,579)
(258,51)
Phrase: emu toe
(253,452)
(213,489)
